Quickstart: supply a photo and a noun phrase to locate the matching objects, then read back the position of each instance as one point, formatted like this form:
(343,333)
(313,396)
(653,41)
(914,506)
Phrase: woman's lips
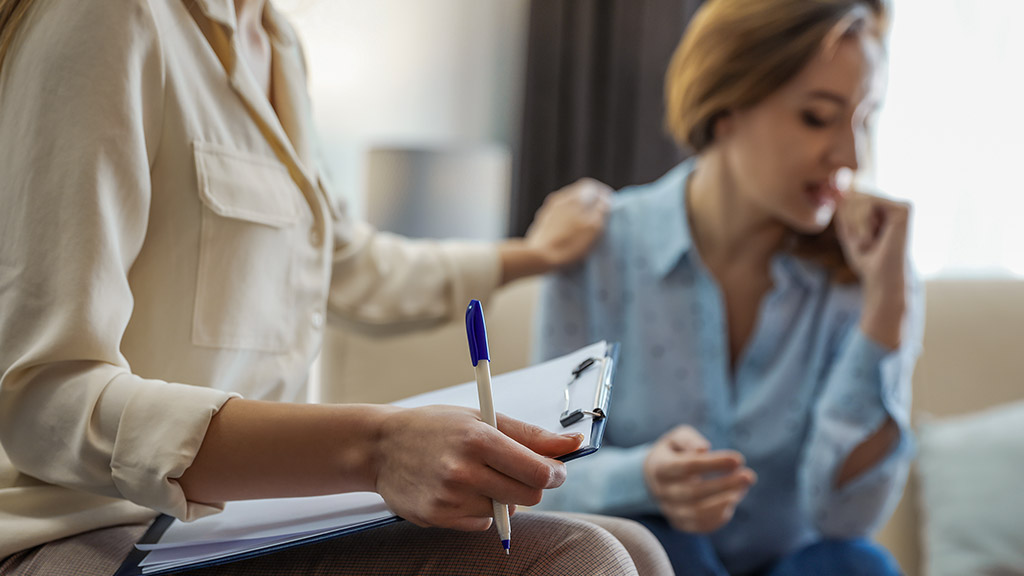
(822,194)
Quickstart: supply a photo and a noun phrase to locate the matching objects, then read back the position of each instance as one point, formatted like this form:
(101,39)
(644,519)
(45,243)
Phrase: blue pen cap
(476,331)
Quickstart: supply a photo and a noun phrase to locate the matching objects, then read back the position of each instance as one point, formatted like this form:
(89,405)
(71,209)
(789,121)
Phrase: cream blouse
(166,242)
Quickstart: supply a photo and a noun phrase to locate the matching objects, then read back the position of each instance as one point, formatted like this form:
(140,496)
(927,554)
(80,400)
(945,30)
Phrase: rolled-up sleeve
(866,385)
(81,121)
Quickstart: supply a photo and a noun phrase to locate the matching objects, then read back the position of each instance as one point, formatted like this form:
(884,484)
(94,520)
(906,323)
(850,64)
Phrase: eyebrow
(828,96)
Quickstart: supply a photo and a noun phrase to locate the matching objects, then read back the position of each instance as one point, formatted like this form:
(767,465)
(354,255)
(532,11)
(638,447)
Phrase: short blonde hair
(736,52)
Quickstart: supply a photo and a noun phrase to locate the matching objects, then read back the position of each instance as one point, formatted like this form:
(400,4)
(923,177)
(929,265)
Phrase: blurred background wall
(411,74)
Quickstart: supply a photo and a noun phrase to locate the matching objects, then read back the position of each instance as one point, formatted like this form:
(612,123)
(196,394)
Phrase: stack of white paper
(249,526)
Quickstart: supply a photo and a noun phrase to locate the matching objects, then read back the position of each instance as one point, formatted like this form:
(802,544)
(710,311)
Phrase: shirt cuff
(159,429)
(609,482)
(476,268)
(628,493)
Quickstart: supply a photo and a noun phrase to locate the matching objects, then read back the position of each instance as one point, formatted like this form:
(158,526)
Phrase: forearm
(882,316)
(868,454)
(844,502)
(881,320)
(519,260)
(381,282)
(858,448)
(256,449)
(849,486)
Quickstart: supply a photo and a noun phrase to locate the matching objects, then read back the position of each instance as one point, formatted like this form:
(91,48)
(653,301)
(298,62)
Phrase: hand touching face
(873,234)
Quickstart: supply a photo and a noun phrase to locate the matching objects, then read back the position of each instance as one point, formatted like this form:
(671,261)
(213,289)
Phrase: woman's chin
(813,223)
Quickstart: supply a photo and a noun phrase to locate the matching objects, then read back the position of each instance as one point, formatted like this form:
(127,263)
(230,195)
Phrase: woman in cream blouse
(168,257)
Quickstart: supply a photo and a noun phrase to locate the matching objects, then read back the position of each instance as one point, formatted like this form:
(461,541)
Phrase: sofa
(971,362)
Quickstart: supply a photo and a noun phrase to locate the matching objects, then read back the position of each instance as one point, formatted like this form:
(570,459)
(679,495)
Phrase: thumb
(687,438)
(538,439)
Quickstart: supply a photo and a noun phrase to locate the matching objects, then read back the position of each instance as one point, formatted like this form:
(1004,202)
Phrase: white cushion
(971,477)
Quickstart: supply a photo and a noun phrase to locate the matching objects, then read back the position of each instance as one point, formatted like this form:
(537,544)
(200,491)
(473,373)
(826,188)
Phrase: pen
(476,331)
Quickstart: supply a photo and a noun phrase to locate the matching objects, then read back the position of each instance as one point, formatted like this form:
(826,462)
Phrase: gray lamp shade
(439,192)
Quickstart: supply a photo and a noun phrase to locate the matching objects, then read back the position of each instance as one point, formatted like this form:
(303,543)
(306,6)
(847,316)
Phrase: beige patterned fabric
(543,544)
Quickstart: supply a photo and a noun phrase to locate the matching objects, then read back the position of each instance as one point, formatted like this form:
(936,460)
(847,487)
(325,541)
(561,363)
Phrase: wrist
(520,259)
(882,317)
(361,458)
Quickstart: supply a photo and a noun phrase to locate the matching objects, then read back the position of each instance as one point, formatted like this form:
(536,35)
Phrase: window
(951,134)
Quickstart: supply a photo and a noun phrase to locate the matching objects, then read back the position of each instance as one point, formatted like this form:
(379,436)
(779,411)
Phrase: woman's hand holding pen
(442,466)
(696,490)
(873,234)
(562,232)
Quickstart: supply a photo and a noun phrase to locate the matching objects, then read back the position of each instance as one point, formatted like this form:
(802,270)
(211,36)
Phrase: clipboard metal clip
(568,418)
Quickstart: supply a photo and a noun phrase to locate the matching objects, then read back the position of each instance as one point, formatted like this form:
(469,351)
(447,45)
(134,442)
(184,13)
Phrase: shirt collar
(278,27)
(220,11)
(223,12)
(668,238)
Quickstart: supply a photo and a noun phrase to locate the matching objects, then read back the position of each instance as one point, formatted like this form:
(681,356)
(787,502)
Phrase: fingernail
(577,436)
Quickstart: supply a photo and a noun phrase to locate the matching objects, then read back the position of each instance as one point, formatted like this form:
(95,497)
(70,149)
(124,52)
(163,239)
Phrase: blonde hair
(735,53)
(12,13)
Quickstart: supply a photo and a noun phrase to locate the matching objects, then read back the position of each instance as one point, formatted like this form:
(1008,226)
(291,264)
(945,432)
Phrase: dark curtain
(594,96)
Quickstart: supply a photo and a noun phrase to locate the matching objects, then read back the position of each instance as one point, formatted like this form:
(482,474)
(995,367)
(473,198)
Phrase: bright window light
(951,134)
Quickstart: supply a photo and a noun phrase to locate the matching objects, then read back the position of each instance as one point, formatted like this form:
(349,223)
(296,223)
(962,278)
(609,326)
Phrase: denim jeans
(694,555)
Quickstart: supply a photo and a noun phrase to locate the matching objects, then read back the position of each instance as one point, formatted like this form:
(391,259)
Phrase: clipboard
(537,394)
(565,395)
(602,398)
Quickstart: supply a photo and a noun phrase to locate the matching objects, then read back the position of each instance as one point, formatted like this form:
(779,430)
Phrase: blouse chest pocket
(245,286)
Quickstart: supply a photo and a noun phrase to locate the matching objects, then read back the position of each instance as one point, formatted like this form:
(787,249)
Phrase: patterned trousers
(542,544)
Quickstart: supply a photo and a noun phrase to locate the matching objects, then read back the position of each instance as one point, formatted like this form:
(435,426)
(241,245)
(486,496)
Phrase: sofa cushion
(969,472)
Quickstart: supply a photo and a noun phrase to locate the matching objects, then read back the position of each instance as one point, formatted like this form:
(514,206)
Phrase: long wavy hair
(735,53)
(12,13)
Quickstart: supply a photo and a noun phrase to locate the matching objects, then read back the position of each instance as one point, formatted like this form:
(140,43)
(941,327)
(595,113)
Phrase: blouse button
(318,319)
(314,238)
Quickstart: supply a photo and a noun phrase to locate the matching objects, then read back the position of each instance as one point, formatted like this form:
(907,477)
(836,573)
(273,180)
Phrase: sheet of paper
(257,519)
(534,395)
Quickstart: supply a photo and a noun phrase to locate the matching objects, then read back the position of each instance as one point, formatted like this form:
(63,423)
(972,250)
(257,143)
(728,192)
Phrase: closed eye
(813,120)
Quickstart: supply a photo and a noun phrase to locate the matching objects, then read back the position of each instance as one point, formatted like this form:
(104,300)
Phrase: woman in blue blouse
(768,320)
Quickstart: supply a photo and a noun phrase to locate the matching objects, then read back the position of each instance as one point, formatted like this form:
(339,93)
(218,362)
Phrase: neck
(728,229)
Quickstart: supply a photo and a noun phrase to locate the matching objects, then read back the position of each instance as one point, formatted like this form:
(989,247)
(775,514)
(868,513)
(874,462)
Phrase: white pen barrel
(483,388)
(501,520)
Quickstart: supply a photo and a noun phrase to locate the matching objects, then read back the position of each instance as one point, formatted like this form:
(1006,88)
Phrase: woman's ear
(723,126)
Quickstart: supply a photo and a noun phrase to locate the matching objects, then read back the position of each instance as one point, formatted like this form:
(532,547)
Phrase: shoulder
(93,18)
(640,210)
(83,36)
(648,200)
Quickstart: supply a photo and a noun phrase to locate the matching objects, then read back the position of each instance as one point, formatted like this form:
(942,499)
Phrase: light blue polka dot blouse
(809,387)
